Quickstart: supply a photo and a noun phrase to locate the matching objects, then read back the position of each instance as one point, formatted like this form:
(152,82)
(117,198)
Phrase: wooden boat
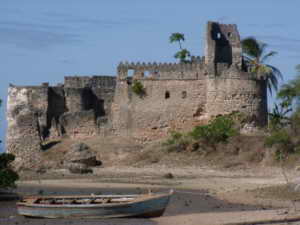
(94,206)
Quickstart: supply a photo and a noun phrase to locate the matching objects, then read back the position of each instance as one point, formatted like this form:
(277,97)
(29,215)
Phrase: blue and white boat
(95,206)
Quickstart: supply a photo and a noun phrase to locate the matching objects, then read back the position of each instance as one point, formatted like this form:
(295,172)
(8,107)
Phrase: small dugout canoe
(94,206)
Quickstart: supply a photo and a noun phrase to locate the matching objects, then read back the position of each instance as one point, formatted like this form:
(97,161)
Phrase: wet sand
(203,196)
(183,202)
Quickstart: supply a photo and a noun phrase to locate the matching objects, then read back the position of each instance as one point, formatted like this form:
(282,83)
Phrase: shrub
(282,141)
(138,88)
(239,119)
(177,142)
(218,130)
(175,137)
(8,177)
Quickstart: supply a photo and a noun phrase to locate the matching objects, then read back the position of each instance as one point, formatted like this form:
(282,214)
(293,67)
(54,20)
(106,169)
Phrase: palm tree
(289,93)
(279,118)
(183,54)
(177,37)
(255,56)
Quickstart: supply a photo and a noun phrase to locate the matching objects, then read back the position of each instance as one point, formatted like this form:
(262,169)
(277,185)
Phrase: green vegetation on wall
(138,88)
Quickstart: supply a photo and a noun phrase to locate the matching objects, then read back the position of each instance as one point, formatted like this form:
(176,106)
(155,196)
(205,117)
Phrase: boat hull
(145,207)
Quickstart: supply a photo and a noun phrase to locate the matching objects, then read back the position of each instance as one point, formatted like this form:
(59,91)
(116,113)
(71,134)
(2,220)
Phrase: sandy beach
(202,195)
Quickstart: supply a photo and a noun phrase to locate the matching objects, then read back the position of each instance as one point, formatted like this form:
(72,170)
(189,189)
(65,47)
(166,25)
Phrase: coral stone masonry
(177,97)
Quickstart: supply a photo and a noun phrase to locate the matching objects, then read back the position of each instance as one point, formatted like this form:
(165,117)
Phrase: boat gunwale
(142,198)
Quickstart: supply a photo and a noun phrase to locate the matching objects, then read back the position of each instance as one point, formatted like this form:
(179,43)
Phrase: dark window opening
(167,95)
(229,34)
(129,80)
(183,94)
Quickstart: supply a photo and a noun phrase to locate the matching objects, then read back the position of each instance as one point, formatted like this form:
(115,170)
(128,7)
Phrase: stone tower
(223,44)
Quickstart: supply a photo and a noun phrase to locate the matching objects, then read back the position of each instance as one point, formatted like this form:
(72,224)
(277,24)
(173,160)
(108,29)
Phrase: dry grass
(240,151)
(280,192)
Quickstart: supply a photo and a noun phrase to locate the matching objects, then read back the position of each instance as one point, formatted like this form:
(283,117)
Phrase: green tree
(255,55)
(177,37)
(218,130)
(289,94)
(284,120)
(8,176)
(279,117)
(183,54)
(0,105)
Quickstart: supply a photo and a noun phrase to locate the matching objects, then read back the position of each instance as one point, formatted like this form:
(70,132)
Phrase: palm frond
(261,49)
(176,37)
(272,83)
(183,55)
(254,55)
(276,71)
(266,56)
(247,58)
(263,70)
(251,47)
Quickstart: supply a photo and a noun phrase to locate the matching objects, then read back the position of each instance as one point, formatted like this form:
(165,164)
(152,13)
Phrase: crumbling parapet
(162,71)
(90,82)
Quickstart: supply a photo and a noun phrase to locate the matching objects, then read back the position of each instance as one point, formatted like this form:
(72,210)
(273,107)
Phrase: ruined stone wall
(79,124)
(36,114)
(25,117)
(77,99)
(192,98)
(94,94)
(212,85)
(90,82)
(238,92)
(56,102)
(168,105)
(177,96)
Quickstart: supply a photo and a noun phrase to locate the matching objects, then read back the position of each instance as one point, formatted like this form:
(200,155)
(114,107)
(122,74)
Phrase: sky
(43,41)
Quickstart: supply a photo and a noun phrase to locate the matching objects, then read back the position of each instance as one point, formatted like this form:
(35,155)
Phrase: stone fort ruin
(177,97)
